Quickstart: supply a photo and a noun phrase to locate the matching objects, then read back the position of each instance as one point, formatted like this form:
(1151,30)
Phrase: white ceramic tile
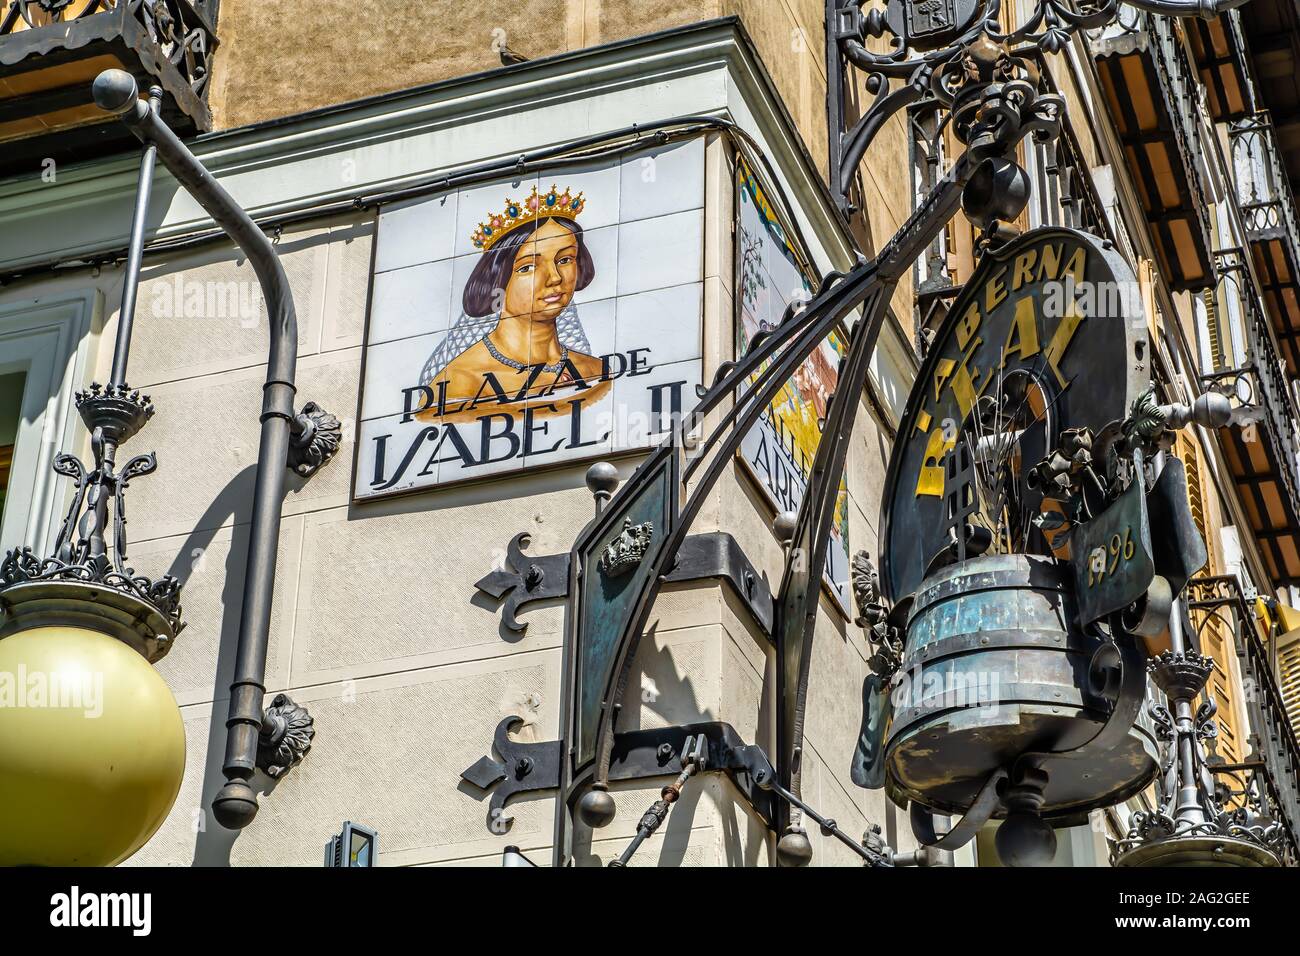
(599,325)
(494,444)
(397,440)
(475,205)
(412,301)
(420,231)
(753,231)
(787,280)
(561,432)
(503,439)
(462,267)
(599,184)
(663,181)
(603,245)
(392,367)
(443,452)
(668,322)
(660,253)
(637,424)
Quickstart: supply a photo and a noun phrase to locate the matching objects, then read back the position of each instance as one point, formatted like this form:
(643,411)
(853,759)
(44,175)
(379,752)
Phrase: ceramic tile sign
(529,322)
(779,450)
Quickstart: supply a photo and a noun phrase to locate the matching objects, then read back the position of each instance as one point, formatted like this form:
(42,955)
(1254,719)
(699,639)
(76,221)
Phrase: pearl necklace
(554,369)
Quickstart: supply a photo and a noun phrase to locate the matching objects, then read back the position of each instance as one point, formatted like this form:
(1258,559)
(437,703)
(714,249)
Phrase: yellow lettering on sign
(963,382)
(995,293)
(1061,340)
(1049,266)
(968,325)
(922,422)
(1024,269)
(1022,336)
(930,480)
(1077,267)
(942,371)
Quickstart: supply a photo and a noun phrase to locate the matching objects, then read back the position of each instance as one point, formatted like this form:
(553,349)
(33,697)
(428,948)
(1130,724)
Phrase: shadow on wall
(213,842)
(665,691)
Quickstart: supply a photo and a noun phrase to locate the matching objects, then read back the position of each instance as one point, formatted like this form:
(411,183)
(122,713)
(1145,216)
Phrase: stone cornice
(334,154)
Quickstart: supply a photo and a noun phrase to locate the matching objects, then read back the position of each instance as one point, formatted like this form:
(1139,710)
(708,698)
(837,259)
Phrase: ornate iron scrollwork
(317,441)
(520,768)
(85,550)
(287,732)
(524,581)
(935,46)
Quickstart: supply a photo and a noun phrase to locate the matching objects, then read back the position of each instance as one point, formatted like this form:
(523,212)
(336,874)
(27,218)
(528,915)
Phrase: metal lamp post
(277,738)
(1192,826)
(67,617)
(57,612)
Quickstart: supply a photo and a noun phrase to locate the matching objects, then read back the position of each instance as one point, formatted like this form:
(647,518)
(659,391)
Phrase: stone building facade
(338,131)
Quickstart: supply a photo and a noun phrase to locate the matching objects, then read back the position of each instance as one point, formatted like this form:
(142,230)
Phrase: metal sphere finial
(235,805)
(1025,839)
(115,91)
(597,809)
(602,478)
(794,848)
(1212,410)
(784,525)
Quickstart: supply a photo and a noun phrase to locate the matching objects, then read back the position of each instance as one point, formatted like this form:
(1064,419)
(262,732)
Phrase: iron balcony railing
(1181,128)
(1181,87)
(1258,384)
(1223,58)
(1263,187)
(1269,780)
(51,49)
(176,29)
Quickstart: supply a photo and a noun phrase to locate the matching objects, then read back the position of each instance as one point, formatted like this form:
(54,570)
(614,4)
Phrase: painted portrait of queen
(519,337)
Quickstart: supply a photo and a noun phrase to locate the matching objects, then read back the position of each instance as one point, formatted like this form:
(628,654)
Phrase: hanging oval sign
(1049,334)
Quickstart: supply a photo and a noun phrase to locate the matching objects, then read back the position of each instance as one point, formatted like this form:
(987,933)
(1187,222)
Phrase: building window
(11,412)
(43,346)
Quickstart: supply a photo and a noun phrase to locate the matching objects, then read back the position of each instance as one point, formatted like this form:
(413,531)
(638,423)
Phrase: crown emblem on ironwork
(551,205)
(118,410)
(1182,675)
(626,551)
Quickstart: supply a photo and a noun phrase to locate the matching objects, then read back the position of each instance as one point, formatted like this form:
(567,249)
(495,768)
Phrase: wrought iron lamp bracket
(522,768)
(286,736)
(524,580)
(938,47)
(88,578)
(316,438)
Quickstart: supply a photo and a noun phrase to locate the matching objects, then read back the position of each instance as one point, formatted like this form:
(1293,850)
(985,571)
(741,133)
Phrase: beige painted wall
(277,58)
(377,628)
(274,62)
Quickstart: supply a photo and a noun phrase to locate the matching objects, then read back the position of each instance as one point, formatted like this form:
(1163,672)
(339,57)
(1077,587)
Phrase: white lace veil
(469,330)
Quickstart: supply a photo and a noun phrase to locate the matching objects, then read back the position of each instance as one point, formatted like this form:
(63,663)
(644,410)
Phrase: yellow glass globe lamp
(92,748)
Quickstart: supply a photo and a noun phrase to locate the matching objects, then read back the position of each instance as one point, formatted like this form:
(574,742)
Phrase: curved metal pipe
(115,92)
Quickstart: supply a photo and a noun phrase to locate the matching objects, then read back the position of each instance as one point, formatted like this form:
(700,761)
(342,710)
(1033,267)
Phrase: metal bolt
(665,752)
(524,766)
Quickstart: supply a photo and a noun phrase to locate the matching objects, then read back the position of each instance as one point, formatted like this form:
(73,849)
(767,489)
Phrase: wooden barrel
(994,667)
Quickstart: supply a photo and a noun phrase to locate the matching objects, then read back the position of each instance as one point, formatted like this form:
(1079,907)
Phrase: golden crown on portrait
(551,205)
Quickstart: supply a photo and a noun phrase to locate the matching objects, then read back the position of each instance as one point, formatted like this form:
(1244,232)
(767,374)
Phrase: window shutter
(1216,636)
(1288,668)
